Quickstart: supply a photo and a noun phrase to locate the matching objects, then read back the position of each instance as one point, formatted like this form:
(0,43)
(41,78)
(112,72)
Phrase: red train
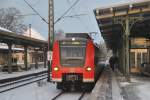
(74,62)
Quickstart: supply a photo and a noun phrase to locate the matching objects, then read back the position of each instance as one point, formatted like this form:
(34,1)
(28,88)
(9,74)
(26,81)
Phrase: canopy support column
(45,57)
(36,58)
(127,33)
(25,58)
(9,57)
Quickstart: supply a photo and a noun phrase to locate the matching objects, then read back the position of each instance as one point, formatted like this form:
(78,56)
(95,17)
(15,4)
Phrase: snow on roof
(4,29)
(34,34)
(121,3)
(4,46)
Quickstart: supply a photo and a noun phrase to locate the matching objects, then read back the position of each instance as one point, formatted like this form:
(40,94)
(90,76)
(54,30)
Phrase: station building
(126,31)
(18,51)
(22,50)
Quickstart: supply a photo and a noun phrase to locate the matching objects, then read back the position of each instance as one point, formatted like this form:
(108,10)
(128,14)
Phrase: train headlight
(73,39)
(56,68)
(88,68)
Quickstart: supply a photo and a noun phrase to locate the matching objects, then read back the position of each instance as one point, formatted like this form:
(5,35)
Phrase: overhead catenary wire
(66,11)
(80,20)
(30,14)
(84,24)
(62,16)
(35,11)
(74,16)
(91,22)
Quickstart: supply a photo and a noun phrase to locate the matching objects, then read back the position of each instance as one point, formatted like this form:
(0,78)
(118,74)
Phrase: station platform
(114,86)
(136,89)
(5,75)
(107,87)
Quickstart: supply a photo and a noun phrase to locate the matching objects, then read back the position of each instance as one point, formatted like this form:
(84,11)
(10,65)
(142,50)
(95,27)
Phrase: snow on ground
(123,84)
(31,92)
(145,94)
(143,88)
(138,88)
(34,92)
(4,75)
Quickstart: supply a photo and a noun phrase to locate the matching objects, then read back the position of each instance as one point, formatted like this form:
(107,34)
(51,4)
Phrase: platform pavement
(107,87)
(5,75)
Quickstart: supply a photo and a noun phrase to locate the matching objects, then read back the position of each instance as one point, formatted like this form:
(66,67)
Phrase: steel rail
(23,84)
(54,98)
(21,80)
(81,96)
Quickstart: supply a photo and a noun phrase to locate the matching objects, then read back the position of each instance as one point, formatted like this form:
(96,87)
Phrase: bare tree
(11,19)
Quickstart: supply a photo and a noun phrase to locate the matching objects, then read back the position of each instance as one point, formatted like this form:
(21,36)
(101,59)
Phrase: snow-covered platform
(107,87)
(113,86)
(5,75)
(137,89)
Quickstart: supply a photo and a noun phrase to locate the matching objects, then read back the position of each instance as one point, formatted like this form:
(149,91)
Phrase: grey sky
(83,24)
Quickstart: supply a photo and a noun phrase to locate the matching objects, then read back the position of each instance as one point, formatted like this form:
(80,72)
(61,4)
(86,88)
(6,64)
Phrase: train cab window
(72,55)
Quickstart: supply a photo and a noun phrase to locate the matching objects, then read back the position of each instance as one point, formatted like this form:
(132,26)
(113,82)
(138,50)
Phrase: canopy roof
(111,21)
(10,37)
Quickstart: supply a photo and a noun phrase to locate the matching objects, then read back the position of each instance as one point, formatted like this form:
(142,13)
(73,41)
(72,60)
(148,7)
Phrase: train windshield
(72,54)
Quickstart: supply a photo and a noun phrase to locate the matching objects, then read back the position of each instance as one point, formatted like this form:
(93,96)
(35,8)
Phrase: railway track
(81,96)
(7,86)
(62,93)
(11,79)
(57,96)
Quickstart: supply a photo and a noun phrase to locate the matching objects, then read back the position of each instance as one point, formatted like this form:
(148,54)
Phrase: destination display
(72,42)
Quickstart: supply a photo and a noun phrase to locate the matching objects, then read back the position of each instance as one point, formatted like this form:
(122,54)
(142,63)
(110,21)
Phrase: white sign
(49,55)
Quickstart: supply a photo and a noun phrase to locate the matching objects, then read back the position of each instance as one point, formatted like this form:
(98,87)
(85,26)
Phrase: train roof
(78,35)
(72,39)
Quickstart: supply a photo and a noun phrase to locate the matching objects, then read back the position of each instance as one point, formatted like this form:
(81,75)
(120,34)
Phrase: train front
(73,63)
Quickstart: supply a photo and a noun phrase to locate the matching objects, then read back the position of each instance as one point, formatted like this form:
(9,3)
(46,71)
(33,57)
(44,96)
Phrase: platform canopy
(10,37)
(111,21)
